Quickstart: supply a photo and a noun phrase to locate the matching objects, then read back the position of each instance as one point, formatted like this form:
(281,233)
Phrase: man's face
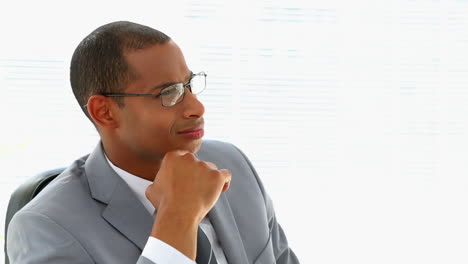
(146,127)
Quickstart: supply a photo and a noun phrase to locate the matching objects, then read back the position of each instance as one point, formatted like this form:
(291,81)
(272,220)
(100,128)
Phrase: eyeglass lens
(175,93)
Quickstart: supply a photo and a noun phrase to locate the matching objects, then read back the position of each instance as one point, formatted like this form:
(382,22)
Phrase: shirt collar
(137,185)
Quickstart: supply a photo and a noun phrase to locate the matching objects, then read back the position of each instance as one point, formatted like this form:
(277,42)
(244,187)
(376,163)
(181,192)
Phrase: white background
(353,112)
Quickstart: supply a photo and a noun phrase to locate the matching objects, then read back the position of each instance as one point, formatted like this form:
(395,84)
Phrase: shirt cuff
(159,252)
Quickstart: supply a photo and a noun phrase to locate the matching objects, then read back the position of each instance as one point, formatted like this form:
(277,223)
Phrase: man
(142,196)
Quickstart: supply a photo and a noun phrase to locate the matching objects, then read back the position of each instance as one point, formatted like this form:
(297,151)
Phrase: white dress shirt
(155,249)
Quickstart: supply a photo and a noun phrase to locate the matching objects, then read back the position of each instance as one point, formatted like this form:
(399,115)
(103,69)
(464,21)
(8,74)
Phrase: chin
(194,146)
(198,146)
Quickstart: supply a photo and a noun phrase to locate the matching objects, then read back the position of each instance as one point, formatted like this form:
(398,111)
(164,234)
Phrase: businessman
(151,191)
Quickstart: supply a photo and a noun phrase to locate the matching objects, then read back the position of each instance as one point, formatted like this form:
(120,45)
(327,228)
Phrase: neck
(126,160)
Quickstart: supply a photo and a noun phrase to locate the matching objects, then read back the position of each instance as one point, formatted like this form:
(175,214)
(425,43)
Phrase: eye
(189,86)
(169,90)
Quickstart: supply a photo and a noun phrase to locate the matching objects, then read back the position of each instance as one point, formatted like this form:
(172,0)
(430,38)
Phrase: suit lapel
(226,229)
(128,215)
(221,215)
(123,211)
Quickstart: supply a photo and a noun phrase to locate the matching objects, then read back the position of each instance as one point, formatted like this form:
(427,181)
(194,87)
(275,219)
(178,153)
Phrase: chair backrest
(25,193)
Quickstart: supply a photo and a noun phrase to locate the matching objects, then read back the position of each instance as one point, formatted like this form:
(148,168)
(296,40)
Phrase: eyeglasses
(172,94)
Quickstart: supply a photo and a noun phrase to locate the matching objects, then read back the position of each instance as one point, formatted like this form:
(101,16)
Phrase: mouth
(194,132)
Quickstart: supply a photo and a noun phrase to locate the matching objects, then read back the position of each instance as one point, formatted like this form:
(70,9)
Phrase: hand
(186,187)
(184,191)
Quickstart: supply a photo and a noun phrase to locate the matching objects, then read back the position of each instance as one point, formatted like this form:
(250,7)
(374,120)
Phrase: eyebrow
(164,85)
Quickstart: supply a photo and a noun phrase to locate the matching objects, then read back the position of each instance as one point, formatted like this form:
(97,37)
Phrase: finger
(226,186)
(153,195)
(177,152)
(148,191)
(226,174)
(227,179)
(211,165)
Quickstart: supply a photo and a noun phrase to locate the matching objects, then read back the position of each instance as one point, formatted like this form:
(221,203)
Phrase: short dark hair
(98,64)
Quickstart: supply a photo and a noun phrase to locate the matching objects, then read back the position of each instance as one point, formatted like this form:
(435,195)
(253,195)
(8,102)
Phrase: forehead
(158,64)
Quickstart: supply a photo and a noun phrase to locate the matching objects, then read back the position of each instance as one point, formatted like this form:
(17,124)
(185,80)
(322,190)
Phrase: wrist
(182,213)
(177,231)
(173,215)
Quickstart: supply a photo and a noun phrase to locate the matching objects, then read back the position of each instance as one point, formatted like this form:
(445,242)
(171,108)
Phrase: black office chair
(25,193)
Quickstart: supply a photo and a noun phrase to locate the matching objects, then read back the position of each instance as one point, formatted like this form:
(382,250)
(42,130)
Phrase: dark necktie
(205,254)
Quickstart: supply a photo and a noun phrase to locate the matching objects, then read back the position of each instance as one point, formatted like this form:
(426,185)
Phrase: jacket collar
(123,211)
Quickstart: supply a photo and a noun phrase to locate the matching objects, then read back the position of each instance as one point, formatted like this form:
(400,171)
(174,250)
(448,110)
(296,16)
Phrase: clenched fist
(184,191)
(187,185)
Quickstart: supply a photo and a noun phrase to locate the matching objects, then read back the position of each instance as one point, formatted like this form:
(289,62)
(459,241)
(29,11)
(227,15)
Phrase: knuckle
(189,156)
(227,174)
(215,173)
(212,165)
(208,165)
(204,165)
(218,176)
(170,155)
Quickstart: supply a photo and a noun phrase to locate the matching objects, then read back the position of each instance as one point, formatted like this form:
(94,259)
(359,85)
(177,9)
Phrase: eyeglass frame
(184,85)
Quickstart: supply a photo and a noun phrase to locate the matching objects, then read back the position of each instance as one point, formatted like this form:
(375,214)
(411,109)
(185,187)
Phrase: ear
(103,111)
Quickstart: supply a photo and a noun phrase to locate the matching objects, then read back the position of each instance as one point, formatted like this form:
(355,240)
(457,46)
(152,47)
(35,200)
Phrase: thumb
(153,195)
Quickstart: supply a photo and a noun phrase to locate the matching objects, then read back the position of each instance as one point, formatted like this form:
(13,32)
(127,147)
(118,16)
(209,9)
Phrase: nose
(193,108)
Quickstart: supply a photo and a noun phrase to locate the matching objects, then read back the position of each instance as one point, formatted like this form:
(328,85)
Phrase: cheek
(157,126)
(148,123)
(152,125)
(156,131)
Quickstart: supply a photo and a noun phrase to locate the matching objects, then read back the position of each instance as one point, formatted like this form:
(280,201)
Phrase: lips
(192,129)
(195,132)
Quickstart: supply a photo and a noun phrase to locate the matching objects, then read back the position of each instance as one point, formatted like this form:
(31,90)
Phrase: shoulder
(228,156)
(214,147)
(246,186)
(64,197)
(43,221)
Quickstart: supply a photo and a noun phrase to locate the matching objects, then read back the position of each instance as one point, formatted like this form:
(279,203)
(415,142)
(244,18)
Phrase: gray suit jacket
(88,214)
